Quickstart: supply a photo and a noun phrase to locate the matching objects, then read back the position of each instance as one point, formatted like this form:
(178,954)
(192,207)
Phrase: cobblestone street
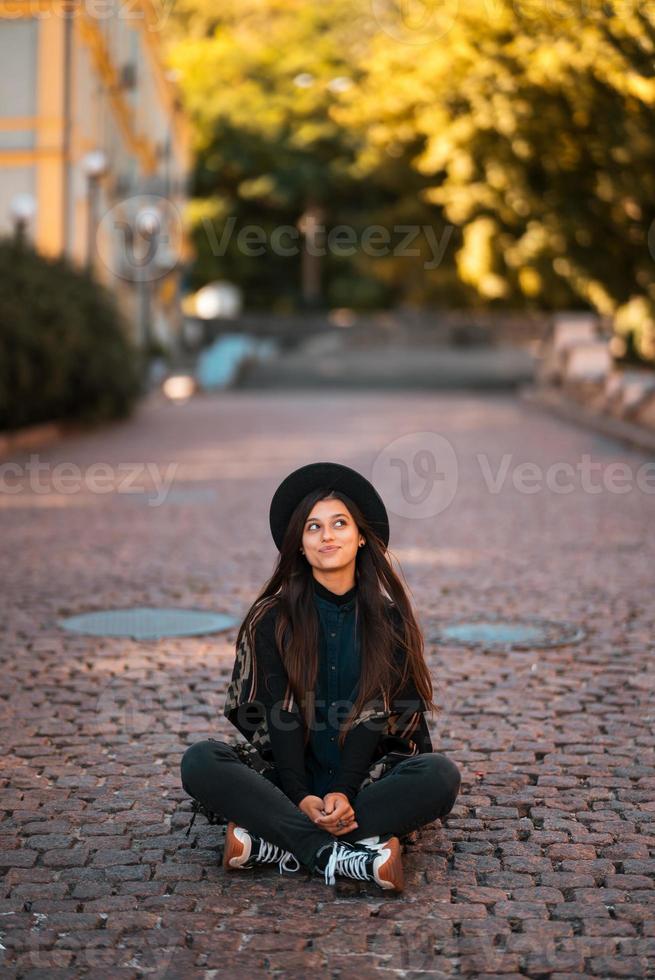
(546,866)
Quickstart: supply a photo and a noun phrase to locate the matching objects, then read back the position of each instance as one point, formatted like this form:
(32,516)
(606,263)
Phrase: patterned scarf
(404,735)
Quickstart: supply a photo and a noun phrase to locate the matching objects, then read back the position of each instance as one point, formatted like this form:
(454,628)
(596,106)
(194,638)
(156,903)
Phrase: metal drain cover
(147,623)
(517,634)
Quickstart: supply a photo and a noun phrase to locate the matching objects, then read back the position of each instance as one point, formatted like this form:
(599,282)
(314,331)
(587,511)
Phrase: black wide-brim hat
(328,476)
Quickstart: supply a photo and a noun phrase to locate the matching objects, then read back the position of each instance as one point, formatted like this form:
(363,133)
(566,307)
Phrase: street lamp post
(22,210)
(95,166)
(309,225)
(148,226)
(310,222)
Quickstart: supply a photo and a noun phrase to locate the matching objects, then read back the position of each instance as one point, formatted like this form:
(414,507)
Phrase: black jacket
(261,706)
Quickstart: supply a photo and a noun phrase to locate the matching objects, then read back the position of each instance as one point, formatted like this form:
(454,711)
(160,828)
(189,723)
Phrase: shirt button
(333,667)
(332,738)
(333,634)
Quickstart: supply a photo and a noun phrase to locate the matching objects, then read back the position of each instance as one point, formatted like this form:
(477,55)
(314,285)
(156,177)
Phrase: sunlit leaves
(527,124)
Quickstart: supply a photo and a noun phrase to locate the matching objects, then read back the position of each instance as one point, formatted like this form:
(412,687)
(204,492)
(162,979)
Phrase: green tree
(263,83)
(520,132)
(538,141)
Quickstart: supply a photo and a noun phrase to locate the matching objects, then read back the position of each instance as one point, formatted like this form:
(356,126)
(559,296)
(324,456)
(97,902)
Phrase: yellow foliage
(526,118)
(642,88)
(475,259)
(530,281)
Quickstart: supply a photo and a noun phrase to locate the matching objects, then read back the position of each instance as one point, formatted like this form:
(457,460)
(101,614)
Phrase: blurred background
(413,236)
(204,195)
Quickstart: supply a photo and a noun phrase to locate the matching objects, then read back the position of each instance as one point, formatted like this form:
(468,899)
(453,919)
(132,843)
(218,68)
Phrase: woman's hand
(312,806)
(337,811)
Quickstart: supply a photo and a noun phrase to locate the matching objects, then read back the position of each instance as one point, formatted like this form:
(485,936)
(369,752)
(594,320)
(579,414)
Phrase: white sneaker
(243,850)
(374,842)
(381,864)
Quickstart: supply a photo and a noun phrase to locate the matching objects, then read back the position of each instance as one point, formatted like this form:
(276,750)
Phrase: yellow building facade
(92,134)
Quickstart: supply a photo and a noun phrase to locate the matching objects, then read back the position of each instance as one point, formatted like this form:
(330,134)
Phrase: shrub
(65,352)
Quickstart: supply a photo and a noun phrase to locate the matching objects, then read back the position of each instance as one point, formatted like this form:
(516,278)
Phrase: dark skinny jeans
(416,791)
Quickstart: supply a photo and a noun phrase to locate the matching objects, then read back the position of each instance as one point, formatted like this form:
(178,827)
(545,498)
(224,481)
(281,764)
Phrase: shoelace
(347,862)
(211,817)
(270,853)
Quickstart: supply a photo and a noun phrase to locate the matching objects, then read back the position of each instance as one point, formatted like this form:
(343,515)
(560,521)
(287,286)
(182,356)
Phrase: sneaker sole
(234,850)
(390,875)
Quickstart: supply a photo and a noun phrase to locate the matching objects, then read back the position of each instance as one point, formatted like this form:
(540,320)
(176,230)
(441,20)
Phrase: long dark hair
(297,625)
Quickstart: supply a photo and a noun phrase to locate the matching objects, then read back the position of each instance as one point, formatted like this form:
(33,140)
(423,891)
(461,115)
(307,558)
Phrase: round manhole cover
(518,634)
(148,623)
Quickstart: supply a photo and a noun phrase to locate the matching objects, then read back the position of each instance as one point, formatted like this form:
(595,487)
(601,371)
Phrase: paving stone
(544,868)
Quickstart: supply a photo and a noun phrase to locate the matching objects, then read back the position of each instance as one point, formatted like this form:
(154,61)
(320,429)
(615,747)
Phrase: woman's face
(330,537)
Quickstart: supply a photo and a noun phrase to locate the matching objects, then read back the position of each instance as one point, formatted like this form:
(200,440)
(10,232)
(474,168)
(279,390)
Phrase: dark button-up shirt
(337,682)
(322,766)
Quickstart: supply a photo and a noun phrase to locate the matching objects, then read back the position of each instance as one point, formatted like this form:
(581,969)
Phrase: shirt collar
(320,592)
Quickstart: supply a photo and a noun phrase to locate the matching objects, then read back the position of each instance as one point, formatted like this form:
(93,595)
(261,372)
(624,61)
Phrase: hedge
(65,352)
